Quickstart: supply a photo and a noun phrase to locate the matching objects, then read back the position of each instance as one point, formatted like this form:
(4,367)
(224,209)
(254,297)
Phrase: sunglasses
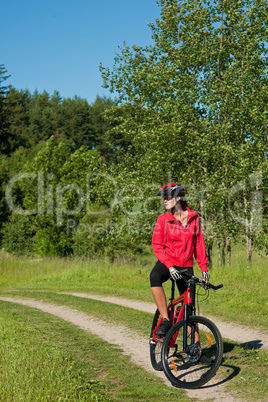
(168,197)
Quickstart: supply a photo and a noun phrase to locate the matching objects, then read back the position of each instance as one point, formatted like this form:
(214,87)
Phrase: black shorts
(160,274)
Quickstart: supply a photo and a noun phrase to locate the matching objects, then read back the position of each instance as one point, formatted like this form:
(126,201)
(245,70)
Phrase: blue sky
(58,45)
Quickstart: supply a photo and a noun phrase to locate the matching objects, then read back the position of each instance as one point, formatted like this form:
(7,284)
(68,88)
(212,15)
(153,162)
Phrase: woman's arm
(159,243)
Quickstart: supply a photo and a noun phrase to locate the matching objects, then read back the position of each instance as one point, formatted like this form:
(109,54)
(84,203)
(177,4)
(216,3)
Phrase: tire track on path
(131,344)
(234,332)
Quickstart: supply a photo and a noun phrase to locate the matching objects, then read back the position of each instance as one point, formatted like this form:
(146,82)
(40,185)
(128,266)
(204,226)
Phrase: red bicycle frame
(188,308)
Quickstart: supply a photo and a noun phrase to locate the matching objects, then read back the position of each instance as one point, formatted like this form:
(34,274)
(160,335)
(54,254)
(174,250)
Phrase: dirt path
(234,332)
(132,345)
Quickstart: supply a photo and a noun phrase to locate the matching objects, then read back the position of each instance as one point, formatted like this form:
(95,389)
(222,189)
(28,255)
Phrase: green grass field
(45,358)
(243,298)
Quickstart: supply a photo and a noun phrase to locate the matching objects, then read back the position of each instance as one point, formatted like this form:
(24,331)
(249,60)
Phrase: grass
(33,364)
(249,370)
(245,367)
(135,320)
(44,358)
(243,300)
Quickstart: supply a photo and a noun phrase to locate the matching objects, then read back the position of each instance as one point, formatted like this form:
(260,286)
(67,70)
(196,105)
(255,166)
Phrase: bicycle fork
(185,328)
(189,309)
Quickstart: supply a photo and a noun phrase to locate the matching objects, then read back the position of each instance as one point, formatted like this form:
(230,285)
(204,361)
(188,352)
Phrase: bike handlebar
(208,285)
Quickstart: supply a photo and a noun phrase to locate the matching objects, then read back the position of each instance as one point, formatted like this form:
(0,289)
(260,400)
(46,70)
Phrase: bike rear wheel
(156,347)
(195,366)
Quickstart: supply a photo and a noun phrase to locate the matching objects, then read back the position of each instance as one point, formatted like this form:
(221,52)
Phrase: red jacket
(174,245)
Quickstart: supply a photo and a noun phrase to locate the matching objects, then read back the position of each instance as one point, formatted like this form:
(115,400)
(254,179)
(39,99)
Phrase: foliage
(195,109)
(62,193)
(91,234)
(4,138)
(30,118)
(52,241)
(17,234)
(3,180)
(191,108)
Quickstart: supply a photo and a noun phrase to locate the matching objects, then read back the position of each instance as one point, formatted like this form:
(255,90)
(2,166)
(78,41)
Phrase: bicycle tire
(199,364)
(156,348)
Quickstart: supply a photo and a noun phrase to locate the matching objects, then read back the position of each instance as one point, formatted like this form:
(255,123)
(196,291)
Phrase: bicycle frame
(187,309)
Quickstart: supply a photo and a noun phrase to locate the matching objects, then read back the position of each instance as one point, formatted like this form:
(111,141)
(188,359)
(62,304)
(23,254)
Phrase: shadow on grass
(256,344)
(230,369)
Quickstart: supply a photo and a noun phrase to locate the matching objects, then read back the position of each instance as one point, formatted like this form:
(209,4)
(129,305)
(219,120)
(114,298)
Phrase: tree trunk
(209,253)
(248,231)
(249,245)
(228,250)
(218,251)
(221,251)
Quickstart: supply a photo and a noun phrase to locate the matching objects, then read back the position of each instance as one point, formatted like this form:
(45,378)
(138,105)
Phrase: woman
(177,237)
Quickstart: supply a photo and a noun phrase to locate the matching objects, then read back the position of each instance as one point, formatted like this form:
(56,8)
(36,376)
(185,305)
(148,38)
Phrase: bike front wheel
(189,361)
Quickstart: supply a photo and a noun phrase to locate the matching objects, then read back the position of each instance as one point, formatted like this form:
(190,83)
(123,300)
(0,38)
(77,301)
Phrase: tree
(194,105)
(4,139)
(100,127)
(16,108)
(235,96)
(41,120)
(3,78)
(75,123)
(3,180)
(17,234)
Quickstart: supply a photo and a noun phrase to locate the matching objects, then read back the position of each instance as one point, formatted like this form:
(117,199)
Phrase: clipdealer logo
(50,197)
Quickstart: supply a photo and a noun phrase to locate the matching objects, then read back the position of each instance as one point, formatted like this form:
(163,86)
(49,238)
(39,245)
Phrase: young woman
(177,237)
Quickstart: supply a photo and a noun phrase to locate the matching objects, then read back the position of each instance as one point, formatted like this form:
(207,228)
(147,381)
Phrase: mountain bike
(191,352)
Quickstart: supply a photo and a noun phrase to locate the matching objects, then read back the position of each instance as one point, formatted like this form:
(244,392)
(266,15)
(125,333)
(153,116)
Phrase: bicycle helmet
(172,189)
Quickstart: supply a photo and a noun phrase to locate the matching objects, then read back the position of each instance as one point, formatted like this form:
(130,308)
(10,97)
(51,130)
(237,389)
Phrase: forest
(81,179)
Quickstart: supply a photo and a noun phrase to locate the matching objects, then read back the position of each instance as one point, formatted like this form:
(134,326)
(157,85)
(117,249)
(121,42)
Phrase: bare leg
(160,300)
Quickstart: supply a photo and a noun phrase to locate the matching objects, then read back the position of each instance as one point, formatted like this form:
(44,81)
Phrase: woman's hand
(206,276)
(174,273)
